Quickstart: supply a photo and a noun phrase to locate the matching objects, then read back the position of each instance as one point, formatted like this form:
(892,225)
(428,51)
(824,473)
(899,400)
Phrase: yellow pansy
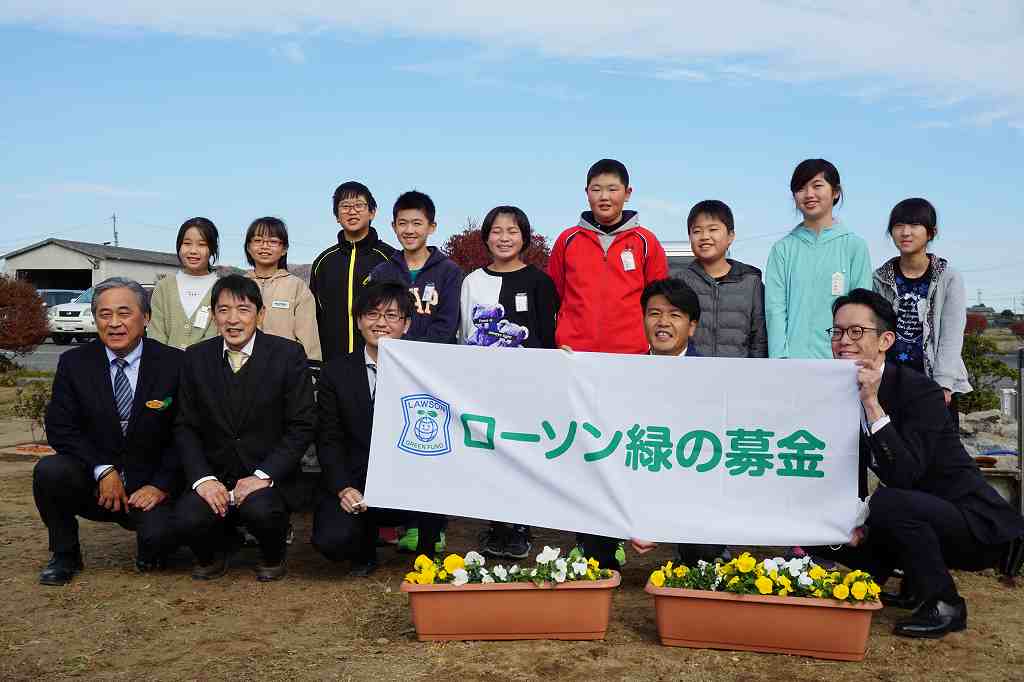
(859,589)
(873,589)
(840,591)
(785,582)
(657,578)
(733,580)
(783,592)
(453,562)
(442,575)
(726,569)
(818,593)
(816,573)
(851,577)
(592,563)
(667,568)
(746,563)
(835,575)
(681,571)
(764,585)
(413,578)
(422,561)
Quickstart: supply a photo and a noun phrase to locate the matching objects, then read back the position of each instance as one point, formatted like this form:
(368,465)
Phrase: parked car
(73,320)
(52,297)
(679,256)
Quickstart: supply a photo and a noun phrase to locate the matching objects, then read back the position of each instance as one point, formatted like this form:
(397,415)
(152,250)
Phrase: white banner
(670,449)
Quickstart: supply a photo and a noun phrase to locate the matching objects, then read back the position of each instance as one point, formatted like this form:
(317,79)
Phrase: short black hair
(239,286)
(713,208)
(353,190)
(415,201)
(915,211)
(808,168)
(268,226)
(209,232)
(517,214)
(610,166)
(678,294)
(885,316)
(383,293)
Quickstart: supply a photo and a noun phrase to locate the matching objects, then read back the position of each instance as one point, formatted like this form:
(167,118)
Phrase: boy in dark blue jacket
(434,280)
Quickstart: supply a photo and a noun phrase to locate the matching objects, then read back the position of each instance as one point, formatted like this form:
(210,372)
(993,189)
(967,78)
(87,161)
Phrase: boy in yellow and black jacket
(342,271)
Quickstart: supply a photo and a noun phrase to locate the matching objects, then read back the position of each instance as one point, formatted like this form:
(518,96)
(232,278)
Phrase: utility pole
(979,290)
(113,219)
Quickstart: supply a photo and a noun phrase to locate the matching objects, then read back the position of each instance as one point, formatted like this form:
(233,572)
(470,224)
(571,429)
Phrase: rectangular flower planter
(571,610)
(803,626)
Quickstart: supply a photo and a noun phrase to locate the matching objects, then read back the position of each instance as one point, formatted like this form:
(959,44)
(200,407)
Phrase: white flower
(548,555)
(500,573)
(561,564)
(483,571)
(474,559)
(804,580)
(795,567)
(770,565)
(580,567)
(559,576)
(701,564)
(514,570)
(487,579)
(460,577)
(533,573)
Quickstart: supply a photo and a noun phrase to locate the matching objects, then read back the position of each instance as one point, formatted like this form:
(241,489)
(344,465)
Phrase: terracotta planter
(822,628)
(576,610)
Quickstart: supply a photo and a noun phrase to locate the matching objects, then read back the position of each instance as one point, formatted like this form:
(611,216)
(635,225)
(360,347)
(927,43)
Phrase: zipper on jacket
(714,330)
(351,275)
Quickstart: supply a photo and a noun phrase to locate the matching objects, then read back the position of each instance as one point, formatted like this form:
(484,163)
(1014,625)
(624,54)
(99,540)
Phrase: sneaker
(517,544)
(289,537)
(407,543)
(494,541)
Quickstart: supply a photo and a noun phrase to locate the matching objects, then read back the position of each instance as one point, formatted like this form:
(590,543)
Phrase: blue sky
(234,110)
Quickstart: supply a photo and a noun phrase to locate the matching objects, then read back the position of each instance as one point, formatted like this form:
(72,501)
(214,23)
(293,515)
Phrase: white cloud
(963,50)
(50,191)
(290,51)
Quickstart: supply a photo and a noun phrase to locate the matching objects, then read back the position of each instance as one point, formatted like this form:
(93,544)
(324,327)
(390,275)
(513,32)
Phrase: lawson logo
(427,429)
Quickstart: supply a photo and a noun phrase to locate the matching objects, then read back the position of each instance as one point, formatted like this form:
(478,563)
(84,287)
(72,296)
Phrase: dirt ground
(112,623)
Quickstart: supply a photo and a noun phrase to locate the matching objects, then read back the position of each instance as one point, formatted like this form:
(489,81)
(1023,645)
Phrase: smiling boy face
(710,238)
(607,194)
(412,228)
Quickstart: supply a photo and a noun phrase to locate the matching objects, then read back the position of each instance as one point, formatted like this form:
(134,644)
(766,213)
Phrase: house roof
(104,252)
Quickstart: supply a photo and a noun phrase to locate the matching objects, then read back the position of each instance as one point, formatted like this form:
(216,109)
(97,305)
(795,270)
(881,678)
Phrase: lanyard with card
(521,302)
(838,284)
(282,305)
(202,317)
(628,262)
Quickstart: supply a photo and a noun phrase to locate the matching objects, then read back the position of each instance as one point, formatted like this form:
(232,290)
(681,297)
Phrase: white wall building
(63,264)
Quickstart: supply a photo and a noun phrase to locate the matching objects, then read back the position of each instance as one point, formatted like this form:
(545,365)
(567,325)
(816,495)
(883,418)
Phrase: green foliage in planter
(984,370)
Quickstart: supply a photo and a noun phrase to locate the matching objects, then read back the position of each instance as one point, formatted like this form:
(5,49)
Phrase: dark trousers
(601,548)
(339,535)
(264,513)
(921,534)
(64,489)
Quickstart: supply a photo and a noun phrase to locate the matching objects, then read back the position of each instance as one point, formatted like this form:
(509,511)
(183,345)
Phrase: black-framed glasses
(356,207)
(390,316)
(855,332)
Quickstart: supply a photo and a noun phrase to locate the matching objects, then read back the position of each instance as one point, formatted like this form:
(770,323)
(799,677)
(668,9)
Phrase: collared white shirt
(247,352)
(371,374)
(131,370)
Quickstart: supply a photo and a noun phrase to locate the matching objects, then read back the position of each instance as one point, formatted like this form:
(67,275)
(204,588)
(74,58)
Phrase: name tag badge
(521,303)
(628,263)
(202,317)
(429,292)
(838,284)
(283,305)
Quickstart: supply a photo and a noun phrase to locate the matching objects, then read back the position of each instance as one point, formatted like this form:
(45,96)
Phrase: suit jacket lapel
(362,387)
(143,385)
(214,362)
(255,372)
(101,365)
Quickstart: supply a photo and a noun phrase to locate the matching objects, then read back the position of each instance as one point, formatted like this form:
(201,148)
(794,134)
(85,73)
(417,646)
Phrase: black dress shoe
(61,568)
(210,571)
(266,572)
(934,618)
(904,599)
(363,569)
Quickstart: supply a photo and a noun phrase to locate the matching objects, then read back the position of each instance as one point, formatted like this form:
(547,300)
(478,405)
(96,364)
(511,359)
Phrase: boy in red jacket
(601,266)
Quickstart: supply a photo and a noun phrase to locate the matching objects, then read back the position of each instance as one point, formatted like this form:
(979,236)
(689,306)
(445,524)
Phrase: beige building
(63,264)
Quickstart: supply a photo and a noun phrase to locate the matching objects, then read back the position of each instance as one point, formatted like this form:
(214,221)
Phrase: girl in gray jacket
(929,299)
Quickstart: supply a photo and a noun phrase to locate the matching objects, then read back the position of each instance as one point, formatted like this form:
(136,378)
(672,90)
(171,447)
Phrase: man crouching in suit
(111,419)
(343,526)
(246,416)
(933,510)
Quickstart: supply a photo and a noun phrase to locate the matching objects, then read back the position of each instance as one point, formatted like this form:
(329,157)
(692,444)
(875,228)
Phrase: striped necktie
(123,394)
(373,389)
(236,359)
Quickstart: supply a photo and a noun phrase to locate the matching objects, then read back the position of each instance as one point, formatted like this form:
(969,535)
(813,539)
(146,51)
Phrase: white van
(74,320)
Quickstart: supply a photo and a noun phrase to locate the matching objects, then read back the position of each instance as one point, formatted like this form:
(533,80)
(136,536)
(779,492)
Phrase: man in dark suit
(343,527)
(246,416)
(933,510)
(111,419)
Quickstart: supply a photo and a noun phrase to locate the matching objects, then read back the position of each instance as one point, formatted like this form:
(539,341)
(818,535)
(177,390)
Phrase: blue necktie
(122,394)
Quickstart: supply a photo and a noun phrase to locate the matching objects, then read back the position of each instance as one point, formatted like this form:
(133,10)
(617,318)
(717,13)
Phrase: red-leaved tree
(469,252)
(23,324)
(1018,329)
(976,323)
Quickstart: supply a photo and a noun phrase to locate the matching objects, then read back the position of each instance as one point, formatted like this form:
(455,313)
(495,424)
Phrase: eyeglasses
(260,241)
(390,316)
(357,207)
(855,332)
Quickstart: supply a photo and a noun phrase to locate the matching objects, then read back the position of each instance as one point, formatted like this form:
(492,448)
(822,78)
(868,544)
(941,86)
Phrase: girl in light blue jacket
(817,262)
